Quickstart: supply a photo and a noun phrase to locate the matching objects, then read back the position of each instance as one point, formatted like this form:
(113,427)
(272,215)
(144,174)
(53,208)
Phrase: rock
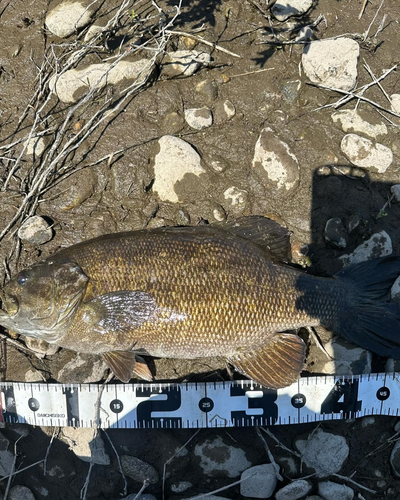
(353,121)
(335,233)
(367,421)
(324,452)
(283,9)
(208,88)
(174,122)
(392,365)
(96,28)
(175,160)
(40,347)
(68,17)
(395,459)
(207,497)
(184,62)
(395,290)
(86,445)
(220,460)
(395,190)
(395,98)
(35,230)
(293,491)
(261,481)
(6,457)
(364,153)
(353,222)
(138,470)
(346,359)
(332,491)
(290,91)
(74,83)
(237,197)
(21,493)
(332,62)
(35,146)
(229,109)
(75,190)
(274,162)
(34,376)
(396,428)
(181,486)
(199,118)
(314,497)
(378,245)
(82,368)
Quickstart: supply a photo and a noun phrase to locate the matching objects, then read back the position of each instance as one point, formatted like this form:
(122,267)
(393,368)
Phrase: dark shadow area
(196,12)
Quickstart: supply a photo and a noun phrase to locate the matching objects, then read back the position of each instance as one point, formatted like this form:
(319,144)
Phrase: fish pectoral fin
(118,311)
(266,233)
(142,370)
(275,365)
(122,364)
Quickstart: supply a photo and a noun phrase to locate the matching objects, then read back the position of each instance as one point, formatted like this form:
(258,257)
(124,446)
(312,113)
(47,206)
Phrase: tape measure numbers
(196,405)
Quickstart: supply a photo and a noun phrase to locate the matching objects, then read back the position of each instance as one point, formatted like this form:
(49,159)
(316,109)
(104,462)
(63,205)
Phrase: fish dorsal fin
(266,233)
(275,365)
(121,363)
(119,311)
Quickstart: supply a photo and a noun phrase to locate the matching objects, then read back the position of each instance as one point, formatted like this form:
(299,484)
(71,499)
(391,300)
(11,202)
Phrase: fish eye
(22,278)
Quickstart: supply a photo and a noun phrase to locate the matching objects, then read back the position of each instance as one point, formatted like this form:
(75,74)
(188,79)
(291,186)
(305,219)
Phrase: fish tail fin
(369,320)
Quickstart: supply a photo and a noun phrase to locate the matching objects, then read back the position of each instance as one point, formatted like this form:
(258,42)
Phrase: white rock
(314,497)
(90,370)
(219,459)
(395,290)
(274,161)
(146,496)
(379,245)
(35,231)
(395,98)
(6,457)
(352,121)
(229,109)
(86,445)
(21,493)
(67,17)
(324,452)
(347,359)
(236,196)
(40,347)
(181,486)
(364,153)
(334,491)
(395,459)
(74,83)
(33,376)
(207,497)
(260,483)
(367,421)
(395,190)
(185,62)
(283,9)
(138,470)
(332,62)
(175,159)
(94,30)
(199,118)
(293,491)
(36,146)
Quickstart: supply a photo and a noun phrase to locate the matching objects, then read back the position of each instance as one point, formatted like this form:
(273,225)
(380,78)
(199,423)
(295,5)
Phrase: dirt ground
(105,184)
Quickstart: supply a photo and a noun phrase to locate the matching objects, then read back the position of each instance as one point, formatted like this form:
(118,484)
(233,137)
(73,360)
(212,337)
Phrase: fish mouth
(9,305)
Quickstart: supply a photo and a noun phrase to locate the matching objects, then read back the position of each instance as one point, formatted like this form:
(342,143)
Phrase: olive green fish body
(199,291)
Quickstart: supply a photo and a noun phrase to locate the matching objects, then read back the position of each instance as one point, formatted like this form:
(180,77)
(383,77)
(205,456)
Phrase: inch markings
(197,405)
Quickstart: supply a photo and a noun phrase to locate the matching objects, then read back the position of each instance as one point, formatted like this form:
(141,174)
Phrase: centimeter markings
(203,404)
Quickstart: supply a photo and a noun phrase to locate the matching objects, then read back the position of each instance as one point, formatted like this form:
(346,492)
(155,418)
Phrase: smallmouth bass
(190,292)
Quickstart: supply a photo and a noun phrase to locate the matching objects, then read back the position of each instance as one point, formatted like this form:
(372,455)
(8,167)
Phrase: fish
(190,292)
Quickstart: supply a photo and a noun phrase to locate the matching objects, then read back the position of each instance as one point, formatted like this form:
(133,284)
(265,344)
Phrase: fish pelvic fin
(121,363)
(369,320)
(142,370)
(275,365)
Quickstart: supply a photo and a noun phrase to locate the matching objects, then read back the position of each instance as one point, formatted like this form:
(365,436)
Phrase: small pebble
(293,491)
(395,459)
(335,233)
(261,483)
(330,490)
(199,118)
(208,88)
(21,493)
(138,470)
(36,231)
(181,486)
(395,190)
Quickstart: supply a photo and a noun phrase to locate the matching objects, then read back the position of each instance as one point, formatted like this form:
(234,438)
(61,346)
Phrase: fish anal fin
(266,233)
(142,370)
(274,365)
(122,364)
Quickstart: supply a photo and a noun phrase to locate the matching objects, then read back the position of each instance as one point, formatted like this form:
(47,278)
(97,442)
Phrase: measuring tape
(205,404)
